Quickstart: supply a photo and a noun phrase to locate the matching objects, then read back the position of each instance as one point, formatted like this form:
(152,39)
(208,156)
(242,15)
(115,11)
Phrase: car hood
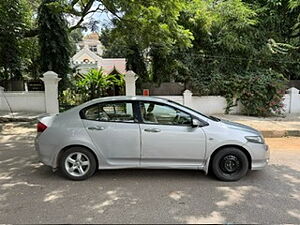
(239,126)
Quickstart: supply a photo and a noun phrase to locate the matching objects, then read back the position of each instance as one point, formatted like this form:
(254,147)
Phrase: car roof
(119,98)
(130,98)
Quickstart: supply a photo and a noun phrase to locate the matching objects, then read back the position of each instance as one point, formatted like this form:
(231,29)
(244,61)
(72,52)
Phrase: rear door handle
(96,128)
(154,130)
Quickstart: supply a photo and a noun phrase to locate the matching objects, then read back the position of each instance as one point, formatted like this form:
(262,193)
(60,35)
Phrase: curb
(10,120)
(280,133)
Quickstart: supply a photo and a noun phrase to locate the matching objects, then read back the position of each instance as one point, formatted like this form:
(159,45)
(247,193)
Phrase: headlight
(255,139)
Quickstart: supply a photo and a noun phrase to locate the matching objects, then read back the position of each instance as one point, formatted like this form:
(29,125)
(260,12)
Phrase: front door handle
(154,130)
(96,128)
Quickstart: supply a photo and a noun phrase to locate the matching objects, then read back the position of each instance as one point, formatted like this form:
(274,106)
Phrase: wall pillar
(187,98)
(293,92)
(130,78)
(51,80)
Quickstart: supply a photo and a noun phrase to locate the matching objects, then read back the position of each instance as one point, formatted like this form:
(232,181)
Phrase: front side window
(163,114)
(110,112)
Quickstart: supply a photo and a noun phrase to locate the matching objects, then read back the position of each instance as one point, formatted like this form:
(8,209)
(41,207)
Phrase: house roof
(111,64)
(108,64)
(92,36)
(87,52)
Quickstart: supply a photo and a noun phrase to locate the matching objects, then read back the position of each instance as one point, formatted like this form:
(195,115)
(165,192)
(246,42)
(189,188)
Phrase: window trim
(135,118)
(137,113)
(141,121)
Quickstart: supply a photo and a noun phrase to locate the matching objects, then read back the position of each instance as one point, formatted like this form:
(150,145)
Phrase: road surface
(31,193)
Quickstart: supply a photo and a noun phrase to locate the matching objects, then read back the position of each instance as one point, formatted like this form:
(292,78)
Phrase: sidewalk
(270,127)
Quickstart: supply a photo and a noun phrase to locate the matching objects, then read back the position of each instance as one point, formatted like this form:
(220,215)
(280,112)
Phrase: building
(89,56)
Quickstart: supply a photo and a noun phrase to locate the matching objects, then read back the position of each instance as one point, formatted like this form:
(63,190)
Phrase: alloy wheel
(77,164)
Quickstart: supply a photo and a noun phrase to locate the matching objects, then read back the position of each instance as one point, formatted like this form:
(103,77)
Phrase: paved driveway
(31,193)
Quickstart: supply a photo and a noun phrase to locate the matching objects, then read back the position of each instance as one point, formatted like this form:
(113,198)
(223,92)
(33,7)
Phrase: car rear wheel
(78,163)
(230,164)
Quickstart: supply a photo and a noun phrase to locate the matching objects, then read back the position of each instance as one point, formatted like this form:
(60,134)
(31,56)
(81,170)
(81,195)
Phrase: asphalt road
(31,193)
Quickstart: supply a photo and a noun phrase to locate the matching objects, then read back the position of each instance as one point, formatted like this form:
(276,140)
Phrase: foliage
(295,7)
(190,41)
(13,20)
(142,26)
(95,83)
(75,37)
(119,47)
(154,22)
(54,41)
(115,47)
(245,38)
(92,85)
(259,92)
(31,68)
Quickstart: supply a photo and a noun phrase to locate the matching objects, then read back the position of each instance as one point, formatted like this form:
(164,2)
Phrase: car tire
(78,163)
(230,164)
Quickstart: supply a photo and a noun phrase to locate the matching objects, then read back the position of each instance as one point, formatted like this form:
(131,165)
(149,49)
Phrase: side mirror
(196,123)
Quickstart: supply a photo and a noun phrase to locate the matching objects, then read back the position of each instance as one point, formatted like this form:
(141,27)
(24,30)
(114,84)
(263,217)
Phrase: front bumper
(260,155)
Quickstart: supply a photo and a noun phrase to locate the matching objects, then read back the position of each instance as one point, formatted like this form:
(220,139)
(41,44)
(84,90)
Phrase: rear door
(113,129)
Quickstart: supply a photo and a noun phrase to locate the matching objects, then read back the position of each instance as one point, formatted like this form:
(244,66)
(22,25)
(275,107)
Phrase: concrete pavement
(270,126)
(31,193)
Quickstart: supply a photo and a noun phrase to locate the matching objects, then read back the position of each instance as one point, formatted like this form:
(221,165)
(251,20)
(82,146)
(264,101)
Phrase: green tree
(54,40)
(231,36)
(119,47)
(144,23)
(220,30)
(75,37)
(13,21)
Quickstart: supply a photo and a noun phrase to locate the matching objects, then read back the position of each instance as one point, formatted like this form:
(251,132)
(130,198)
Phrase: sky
(103,19)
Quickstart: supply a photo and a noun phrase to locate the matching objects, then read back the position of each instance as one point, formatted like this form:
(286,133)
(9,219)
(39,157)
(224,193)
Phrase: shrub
(260,93)
(92,85)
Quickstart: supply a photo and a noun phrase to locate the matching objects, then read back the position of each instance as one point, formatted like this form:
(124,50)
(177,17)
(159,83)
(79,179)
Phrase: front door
(113,129)
(168,139)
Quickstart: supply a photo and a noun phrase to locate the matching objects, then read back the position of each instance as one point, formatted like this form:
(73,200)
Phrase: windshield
(209,117)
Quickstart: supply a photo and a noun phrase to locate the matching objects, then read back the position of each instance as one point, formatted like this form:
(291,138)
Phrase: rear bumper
(43,156)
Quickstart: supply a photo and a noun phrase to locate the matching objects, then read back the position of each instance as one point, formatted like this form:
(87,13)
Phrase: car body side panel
(119,143)
(67,129)
(219,135)
(172,146)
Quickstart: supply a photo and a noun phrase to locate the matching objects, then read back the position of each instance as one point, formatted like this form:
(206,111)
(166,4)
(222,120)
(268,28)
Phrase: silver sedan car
(147,132)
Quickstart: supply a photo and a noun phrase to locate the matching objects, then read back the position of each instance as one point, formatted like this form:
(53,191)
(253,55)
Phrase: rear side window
(110,112)
(91,113)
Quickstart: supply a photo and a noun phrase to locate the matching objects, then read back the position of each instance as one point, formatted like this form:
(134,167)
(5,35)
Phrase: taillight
(41,127)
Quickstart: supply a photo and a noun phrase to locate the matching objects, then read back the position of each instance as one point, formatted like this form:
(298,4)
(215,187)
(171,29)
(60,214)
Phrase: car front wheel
(78,163)
(230,164)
